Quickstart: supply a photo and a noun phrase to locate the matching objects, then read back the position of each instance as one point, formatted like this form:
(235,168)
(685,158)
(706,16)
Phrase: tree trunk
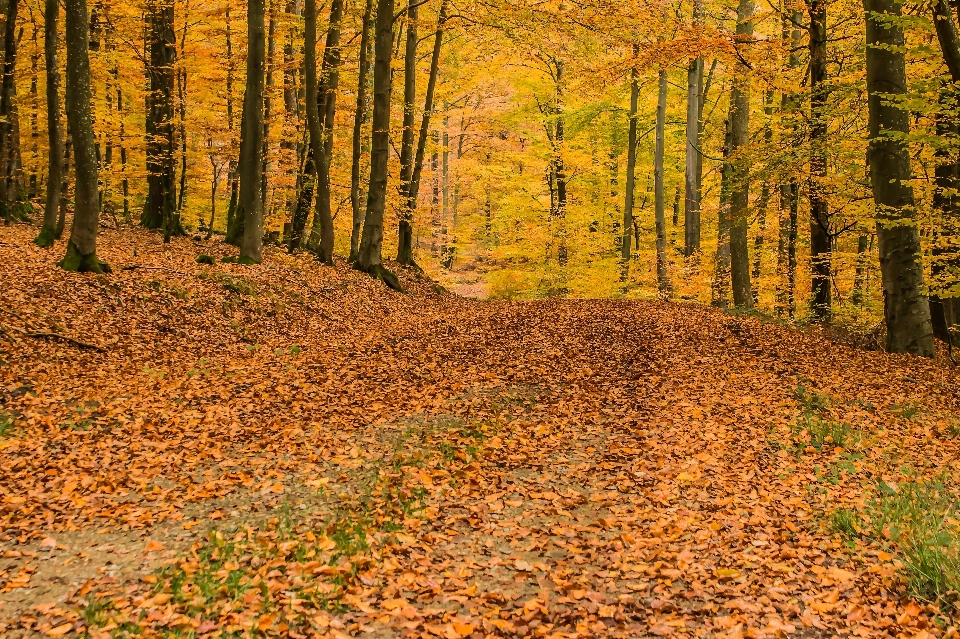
(691,202)
(945,270)
(250,168)
(789,189)
(764,202)
(740,177)
(414,188)
(721,279)
(48,232)
(820,258)
(159,211)
(859,277)
(663,280)
(323,112)
(182,100)
(360,116)
(81,252)
(405,230)
(371,243)
(631,170)
(906,309)
(9,143)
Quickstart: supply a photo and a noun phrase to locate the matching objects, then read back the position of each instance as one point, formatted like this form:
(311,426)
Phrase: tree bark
(159,211)
(9,143)
(323,111)
(371,243)
(81,252)
(630,186)
(414,187)
(251,142)
(405,229)
(663,280)
(359,117)
(48,232)
(691,202)
(906,309)
(820,254)
(740,177)
(721,279)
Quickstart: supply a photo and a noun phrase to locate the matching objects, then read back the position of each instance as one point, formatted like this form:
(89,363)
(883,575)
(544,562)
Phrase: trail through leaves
(295,450)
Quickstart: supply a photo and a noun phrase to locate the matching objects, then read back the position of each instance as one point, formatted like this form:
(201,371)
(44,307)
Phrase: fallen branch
(51,335)
(133,267)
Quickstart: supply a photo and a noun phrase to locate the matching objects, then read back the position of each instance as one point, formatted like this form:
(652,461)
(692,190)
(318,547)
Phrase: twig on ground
(133,267)
(52,335)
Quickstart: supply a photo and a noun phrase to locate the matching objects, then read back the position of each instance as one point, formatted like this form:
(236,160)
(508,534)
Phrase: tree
(371,243)
(251,137)
(360,116)
(82,247)
(160,210)
(820,249)
(692,168)
(740,177)
(48,232)
(663,279)
(631,170)
(905,307)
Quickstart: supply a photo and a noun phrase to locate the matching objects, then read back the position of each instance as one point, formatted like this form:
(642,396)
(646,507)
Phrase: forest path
(296,450)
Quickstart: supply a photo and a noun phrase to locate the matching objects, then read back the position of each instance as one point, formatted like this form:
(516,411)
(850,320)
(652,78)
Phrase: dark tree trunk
(251,141)
(321,133)
(81,252)
(905,306)
(721,279)
(789,189)
(414,187)
(820,258)
(48,232)
(360,116)
(740,178)
(405,230)
(663,279)
(371,243)
(9,142)
(159,212)
(691,202)
(631,170)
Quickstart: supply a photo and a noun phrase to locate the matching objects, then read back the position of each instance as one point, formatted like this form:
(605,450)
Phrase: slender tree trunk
(764,202)
(406,256)
(360,116)
(321,134)
(48,231)
(789,189)
(820,258)
(663,279)
(251,140)
(631,170)
(81,252)
(906,309)
(561,173)
(268,108)
(405,230)
(182,99)
(859,278)
(740,178)
(691,202)
(371,243)
(9,138)
(721,279)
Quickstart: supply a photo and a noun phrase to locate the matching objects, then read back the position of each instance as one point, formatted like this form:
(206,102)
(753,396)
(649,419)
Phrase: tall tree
(48,232)
(631,169)
(81,252)
(905,307)
(321,134)
(405,230)
(160,210)
(250,207)
(740,177)
(359,117)
(414,185)
(9,135)
(371,243)
(691,202)
(820,241)
(663,279)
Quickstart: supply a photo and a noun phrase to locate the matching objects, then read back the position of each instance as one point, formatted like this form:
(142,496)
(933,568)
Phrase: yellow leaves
(726,573)
(59,631)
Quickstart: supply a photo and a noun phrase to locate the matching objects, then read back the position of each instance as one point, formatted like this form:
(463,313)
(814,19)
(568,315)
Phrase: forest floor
(296,450)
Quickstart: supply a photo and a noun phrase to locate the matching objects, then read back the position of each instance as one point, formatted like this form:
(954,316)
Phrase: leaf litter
(295,450)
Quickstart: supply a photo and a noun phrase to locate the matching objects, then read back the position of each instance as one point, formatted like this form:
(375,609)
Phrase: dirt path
(319,456)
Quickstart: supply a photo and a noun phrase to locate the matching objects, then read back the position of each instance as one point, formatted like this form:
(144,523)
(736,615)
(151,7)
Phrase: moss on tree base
(382,273)
(77,262)
(46,237)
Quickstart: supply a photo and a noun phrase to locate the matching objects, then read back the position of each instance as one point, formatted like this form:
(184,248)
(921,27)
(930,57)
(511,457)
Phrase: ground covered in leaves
(296,450)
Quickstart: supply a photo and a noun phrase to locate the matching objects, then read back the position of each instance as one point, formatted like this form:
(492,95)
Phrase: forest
(479,318)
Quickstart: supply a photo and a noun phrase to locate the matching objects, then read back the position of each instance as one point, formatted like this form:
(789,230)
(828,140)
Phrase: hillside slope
(296,450)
